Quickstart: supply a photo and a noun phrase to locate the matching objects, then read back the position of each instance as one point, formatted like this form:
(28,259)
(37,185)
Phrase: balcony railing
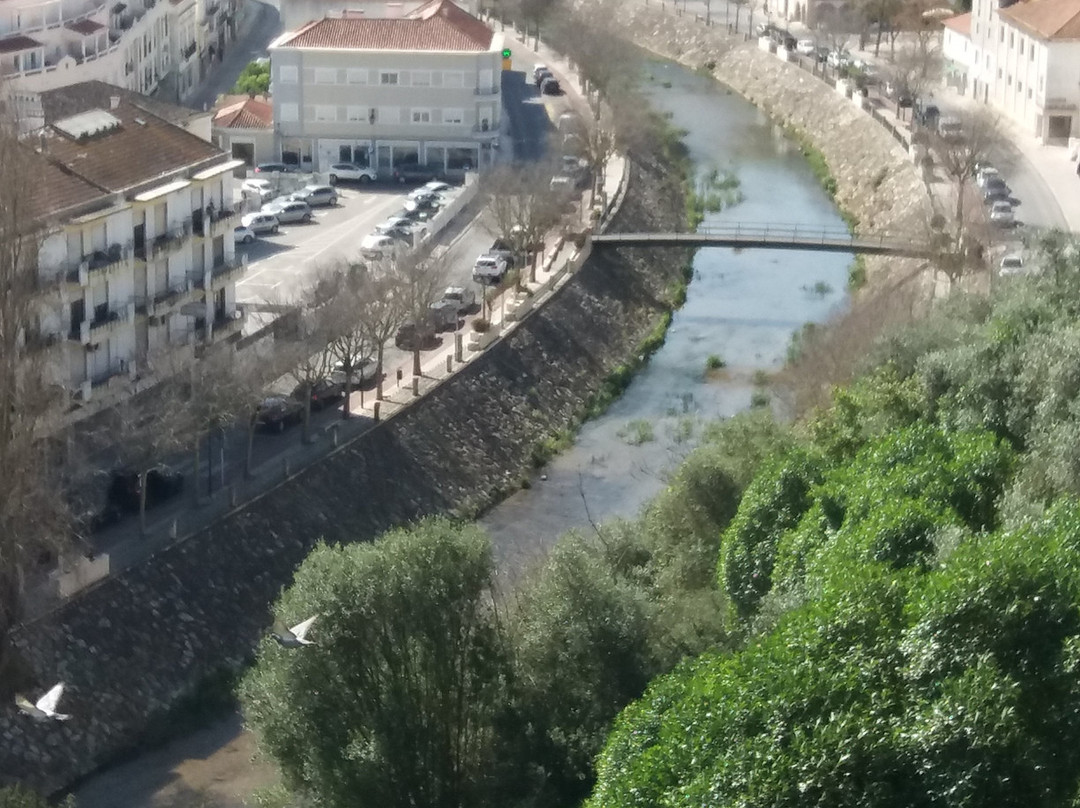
(116,368)
(99,261)
(492,90)
(225,324)
(224,272)
(188,51)
(211,215)
(171,239)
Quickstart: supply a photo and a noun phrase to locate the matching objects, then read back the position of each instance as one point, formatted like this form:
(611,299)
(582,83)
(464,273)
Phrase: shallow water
(742,305)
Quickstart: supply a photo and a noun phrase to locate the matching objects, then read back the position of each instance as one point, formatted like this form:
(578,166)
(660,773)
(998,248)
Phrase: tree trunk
(142,500)
(306,434)
(196,463)
(379,365)
(348,395)
(416,371)
(250,446)
(960,187)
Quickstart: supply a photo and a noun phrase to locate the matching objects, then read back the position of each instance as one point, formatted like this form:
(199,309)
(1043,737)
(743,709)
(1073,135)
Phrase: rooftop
(64,102)
(961,23)
(14,44)
(242,112)
(1046,19)
(438,25)
(85,27)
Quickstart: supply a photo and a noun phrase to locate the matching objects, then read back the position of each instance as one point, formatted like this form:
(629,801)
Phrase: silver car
(288,212)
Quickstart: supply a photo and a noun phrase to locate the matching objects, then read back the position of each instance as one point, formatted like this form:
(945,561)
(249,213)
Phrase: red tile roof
(1046,19)
(14,44)
(247,113)
(961,23)
(439,25)
(85,27)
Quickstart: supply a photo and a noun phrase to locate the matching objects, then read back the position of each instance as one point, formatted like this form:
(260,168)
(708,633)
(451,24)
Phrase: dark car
(324,393)
(540,75)
(995,190)
(550,86)
(274,413)
(125,489)
(272,168)
(415,172)
(926,114)
(411,336)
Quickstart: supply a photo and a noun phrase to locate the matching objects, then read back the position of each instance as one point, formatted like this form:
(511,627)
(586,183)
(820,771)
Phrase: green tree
(254,79)
(395,701)
(21,797)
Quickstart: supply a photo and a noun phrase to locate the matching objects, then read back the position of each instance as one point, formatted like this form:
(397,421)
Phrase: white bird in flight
(294,637)
(45,708)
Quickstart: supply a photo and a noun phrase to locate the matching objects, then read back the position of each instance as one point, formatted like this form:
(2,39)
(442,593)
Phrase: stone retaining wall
(877,181)
(131,646)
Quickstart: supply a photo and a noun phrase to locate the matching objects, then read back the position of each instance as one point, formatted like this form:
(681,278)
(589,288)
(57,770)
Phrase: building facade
(425,88)
(142,45)
(244,127)
(1025,60)
(137,249)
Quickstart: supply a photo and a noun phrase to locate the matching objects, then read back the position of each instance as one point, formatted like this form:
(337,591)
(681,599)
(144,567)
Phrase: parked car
(464,300)
(821,54)
(926,115)
(273,168)
(985,174)
(431,190)
(274,413)
(1012,264)
(261,222)
(364,369)
(994,190)
(243,235)
(838,58)
(444,315)
(426,201)
(489,269)
(537,70)
(125,488)
(289,211)
(323,393)
(377,246)
(1001,214)
(348,172)
(436,187)
(317,195)
(541,73)
(411,336)
(263,189)
(806,47)
(550,86)
(950,128)
(415,172)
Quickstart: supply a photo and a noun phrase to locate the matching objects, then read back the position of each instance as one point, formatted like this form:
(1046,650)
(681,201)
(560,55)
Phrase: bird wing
(300,630)
(281,630)
(48,702)
(24,704)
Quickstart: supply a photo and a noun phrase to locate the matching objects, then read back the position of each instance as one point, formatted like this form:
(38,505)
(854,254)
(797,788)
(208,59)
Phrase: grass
(682,430)
(713,193)
(759,399)
(820,168)
(715,362)
(637,432)
(819,289)
(546,448)
(857,273)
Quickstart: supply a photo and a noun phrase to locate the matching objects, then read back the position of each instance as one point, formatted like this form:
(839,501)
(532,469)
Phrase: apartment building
(422,88)
(146,46)
(296,13)
(1025,60)
(137,250)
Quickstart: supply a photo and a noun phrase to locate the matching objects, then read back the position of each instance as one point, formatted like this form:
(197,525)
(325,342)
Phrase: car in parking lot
(806,47)
(323,393)
(541,72)
(415,172)
(265,190)
(260,222)
(1011,264)
(1001,214)
(274,413)
(464,300)
(428,201)
(444,315)
(243,235)
(489,269)
(289,211)
(994,190)
(364,369)
(950,128)
(273,168)
(377,246)
(316,195)
(435,187)
(411,335)
(125,487)
(550,86)
(986,173)
(349,172)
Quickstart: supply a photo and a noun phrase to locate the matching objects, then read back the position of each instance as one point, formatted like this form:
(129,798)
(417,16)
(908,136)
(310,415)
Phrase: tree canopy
(254,79)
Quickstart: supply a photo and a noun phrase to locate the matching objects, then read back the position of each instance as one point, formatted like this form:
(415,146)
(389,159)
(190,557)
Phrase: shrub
(481,326)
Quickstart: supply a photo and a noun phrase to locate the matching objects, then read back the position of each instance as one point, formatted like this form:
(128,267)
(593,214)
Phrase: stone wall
(131,646)
(877,181)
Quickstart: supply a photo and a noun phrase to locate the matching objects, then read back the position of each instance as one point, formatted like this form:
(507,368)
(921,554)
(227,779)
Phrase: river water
(742,306)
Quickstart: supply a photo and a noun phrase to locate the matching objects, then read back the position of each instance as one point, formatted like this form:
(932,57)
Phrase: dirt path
(212,768)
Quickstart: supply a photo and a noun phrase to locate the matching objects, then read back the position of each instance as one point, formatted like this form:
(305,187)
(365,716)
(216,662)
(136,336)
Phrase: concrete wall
(130,646)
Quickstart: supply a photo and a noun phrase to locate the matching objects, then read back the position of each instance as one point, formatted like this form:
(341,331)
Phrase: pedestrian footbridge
(776,237)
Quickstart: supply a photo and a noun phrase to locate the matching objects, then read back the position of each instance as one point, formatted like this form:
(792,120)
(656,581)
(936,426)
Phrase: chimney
(114,101)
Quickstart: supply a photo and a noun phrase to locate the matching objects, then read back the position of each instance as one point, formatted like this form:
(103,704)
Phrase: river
(742,306)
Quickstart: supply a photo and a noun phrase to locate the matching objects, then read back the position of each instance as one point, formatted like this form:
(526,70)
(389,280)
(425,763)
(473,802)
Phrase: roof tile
(248,113)
(1046,19)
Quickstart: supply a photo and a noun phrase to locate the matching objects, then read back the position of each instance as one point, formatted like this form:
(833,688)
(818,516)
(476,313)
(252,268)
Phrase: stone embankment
(877,181)
(130,647)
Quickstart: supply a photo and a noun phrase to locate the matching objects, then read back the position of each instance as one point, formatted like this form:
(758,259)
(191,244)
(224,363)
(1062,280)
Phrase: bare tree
(419,280)
(34,517)
(589,35)
(383,311)
(522,207)
(959,154)
(351,346)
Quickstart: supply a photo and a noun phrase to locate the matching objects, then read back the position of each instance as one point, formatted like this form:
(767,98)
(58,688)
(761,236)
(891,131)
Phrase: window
(1010,40)
(1031,53)
(386,77)
(999,73)
(487,81)
(421,78)
(325,75)
(421,116)
(356,113)
(1020,87)
(452,116)
(325,112)
(453,78)
(287,74)
(356,75)
(1021,46)
(389,115)
(289,112)
(1002,33)
(1029,93)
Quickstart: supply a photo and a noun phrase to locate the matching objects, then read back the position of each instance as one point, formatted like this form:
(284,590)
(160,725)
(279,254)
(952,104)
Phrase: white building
(423,88)
(138,246)
(1026,61)
(295,13)
(957,51)
(141,45)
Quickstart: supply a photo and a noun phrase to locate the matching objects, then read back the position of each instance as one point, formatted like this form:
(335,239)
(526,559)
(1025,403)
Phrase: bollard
(375,409)
(174,528)
(285,465)
(333,435)
(416,385)
(233,496)
(458,342)
(399,377)
(449,363)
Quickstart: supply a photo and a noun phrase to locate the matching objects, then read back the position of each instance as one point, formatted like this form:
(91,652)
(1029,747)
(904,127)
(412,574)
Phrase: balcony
(226,324)
(99,261)
(215,218)
(170,240)
(116,371)
(166,300)
(80,332)
(188,51)
(106,320)
(225,272)
(492,90)
(1059,102)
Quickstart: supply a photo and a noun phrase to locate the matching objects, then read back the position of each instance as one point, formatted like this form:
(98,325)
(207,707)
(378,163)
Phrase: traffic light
(506,62)
(506,53)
